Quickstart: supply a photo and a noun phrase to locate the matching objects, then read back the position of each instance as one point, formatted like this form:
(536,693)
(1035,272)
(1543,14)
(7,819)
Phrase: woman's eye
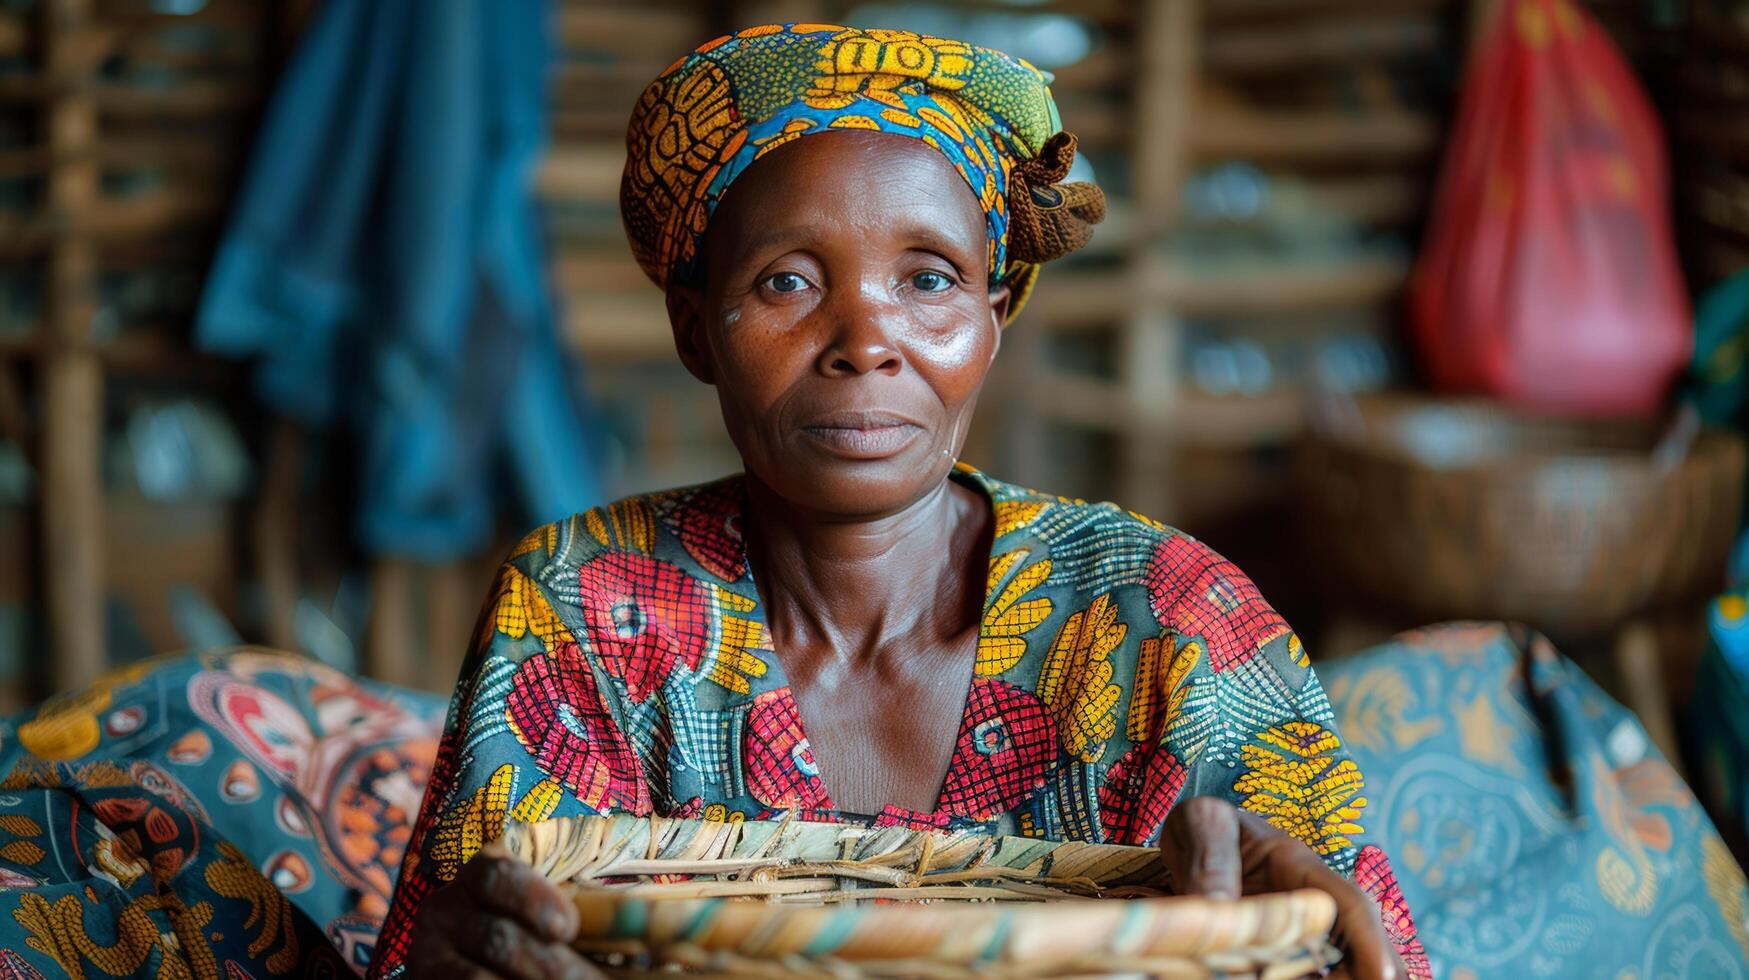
(786,282)
(931,282)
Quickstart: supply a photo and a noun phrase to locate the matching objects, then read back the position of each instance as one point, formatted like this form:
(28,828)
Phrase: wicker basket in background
(1441,510)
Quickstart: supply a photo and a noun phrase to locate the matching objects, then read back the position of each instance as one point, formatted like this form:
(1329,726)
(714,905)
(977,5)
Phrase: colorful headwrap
(737,98)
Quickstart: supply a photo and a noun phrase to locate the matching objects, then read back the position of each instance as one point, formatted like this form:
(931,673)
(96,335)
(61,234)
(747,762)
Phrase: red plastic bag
(1548,278)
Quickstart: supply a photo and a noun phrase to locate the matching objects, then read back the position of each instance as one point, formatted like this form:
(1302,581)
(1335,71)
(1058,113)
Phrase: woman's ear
(999,300)
(686,318)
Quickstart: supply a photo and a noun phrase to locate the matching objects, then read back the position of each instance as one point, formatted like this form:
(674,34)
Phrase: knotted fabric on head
(717,110)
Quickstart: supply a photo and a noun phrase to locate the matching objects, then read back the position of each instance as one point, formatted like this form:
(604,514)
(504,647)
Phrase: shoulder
(697,526)
(1095,547)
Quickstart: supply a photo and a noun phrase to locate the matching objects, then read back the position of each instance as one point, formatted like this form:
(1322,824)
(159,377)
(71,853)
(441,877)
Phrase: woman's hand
(497,919)
(1215,849)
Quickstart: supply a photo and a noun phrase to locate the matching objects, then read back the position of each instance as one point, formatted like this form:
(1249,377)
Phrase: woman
(859,625)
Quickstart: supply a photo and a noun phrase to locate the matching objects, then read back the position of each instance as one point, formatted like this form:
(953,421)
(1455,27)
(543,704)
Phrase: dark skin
(848,326)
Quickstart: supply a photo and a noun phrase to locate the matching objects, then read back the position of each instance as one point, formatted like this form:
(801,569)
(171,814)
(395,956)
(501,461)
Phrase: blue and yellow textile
(735,99)
(238,814)
(1535,829)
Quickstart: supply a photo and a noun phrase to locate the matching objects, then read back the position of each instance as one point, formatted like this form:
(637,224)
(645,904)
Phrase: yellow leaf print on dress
(471,824)
(1156,699)
(1075,684)
(1300,788)
(1011,615)
(520,609)
(736,661)
(627,525)
(1014,514)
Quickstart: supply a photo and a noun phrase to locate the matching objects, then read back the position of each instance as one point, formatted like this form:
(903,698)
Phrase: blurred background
(263,295)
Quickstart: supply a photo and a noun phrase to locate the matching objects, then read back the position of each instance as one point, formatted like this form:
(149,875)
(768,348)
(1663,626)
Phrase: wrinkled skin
(847,321)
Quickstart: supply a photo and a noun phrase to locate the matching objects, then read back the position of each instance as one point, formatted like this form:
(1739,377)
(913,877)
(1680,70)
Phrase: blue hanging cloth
(385,263)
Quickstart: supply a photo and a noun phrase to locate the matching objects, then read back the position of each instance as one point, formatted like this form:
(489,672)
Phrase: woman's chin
(834,484)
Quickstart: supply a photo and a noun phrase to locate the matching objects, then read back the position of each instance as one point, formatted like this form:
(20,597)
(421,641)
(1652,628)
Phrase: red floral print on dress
(1007,743)
(1138,792)
(707,521)
(781,771)
(1198,593)
(644,616)
(898,816)
(1372,872)
(556,712)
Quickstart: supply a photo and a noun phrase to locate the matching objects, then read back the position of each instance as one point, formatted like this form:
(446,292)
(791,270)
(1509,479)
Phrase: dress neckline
(973,479)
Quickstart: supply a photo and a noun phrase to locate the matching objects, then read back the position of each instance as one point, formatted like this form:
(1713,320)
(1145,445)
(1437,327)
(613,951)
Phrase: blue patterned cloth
(1533,827)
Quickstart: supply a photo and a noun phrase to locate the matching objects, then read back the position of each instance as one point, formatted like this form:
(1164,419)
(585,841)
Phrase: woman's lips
(863,435)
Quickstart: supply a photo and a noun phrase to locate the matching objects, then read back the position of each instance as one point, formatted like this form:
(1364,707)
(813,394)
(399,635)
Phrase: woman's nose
(860,342)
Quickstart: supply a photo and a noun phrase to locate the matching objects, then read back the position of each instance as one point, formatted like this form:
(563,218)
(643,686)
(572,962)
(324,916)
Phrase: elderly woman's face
(847,319)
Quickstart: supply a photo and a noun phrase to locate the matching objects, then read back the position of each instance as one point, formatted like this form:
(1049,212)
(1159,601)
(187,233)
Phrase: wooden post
(1148,341)
(72,378)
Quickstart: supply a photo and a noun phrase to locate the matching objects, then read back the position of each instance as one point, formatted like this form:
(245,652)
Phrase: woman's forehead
(853,179)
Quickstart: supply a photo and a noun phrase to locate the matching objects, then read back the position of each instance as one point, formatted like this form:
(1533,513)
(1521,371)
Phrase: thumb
(1200,846)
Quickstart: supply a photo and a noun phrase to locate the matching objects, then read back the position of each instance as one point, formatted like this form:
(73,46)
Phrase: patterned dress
(624,664)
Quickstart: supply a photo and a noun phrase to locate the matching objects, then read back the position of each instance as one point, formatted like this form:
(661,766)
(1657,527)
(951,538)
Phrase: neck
(848,587)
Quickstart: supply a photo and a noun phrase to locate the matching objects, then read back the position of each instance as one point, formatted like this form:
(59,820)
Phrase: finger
(507,950)
(1201,845)
(1285,863)
(507,886)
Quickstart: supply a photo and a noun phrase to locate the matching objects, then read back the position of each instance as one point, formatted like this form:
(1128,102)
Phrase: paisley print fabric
(623,664)
(240,814)
(1536,830)
(735,99)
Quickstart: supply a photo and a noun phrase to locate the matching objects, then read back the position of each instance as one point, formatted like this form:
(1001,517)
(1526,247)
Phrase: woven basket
(1451,510)
(799,899)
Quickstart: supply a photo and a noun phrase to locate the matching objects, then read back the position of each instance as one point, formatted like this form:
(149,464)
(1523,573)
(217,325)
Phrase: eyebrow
(926,237)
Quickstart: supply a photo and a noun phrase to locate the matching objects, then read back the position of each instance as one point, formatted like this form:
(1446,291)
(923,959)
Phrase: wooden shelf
(1222,13)
(188,100)
(1276,47)
(1068,303)
(1725,136)
(629,28)
(1281,288)
(147,217)
(1195,420)
(625,326)
(581,171)
(1225,132)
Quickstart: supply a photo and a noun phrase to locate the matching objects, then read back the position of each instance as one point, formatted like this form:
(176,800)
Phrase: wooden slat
(189,100)
(71,378)
(1285,288)
(1227,132)
(631,28)
(147,217)
(619,326)
(1274,47)
(581,171)
(1196,419)
(1709,30)
(14,36)
(1382,199)
(1220,13)
(1726,136)
(1081,301)
(123,155)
